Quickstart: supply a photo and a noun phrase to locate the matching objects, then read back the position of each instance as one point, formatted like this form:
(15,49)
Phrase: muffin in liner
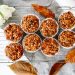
(14,51)
(31,43)
(30,23)
(49,27)
(67,39)
(13,32)
(67,20)
(50,47)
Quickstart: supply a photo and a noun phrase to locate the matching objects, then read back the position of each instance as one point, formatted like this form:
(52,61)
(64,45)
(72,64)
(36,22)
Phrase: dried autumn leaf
(23,68)
(70,57)
(56,67)
(43,11)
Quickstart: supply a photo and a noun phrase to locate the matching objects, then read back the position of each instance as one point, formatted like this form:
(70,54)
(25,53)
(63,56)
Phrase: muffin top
(14,51)
(31,42)
(30,23)
(67,38)
(13,32)
(49,27)
(50,46)
(67,20)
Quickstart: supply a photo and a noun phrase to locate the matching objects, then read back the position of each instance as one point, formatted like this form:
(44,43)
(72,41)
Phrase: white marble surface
(42,63)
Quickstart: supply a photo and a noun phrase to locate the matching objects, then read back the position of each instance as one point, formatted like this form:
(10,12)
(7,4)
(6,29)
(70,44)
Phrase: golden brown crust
(67,38)
(13,32)
(32,42)
(50,46)
(14,51)
(49,27)
(30,23)
(67,20)
(43,11)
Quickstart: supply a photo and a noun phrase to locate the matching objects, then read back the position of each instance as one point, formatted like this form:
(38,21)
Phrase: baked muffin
(30,24)
(67,38)
(50,47)
(49,27)
(14,51)
(13,32)
(31,42)
(67,20)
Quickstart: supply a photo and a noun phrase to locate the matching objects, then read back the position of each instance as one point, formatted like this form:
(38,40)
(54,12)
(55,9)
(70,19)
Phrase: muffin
(49,27)
(13,32)
(30,24)
(14,51)
(50,47)
(31,42)
(67,20)
(67,38)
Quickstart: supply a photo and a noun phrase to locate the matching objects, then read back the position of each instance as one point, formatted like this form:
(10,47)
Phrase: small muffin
(31,42)
(67,38)
(49,27)
(67,20)
(50,47)
(30,24)
(13,32)
(14,51)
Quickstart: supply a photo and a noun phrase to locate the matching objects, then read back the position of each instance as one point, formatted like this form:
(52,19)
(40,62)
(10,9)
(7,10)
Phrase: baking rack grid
(20,11)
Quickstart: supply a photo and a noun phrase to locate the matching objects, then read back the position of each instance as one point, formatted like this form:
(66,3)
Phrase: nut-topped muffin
(13,32)
(31,42)
(14,51)
(30,24)
(67,20)
(50,47)
(67,38)
(49,27)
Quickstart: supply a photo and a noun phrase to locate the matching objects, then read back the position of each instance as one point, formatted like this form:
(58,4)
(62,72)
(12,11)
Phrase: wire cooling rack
(24,7)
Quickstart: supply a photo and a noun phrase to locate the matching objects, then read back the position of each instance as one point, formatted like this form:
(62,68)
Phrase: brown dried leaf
(43,11)
(70,57)
(56,67)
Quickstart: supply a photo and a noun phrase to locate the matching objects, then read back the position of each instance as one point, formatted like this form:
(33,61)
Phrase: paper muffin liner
(62,14)
(50,54)
(57,27)
(18,58)
(12,40)
(63,46)
(28,50)
(37,28)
